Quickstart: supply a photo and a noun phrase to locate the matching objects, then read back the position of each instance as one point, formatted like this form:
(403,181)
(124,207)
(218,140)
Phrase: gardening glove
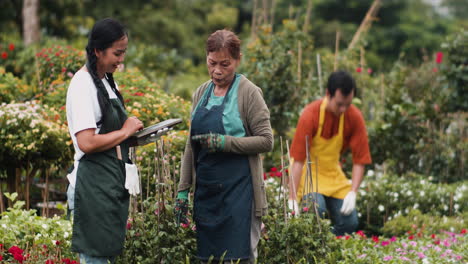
(212,142)
(293,207)
(132,180)
(349,203)
(181,208)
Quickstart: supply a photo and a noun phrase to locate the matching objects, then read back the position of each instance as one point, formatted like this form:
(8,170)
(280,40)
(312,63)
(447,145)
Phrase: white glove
(293,206)
(132,180)
(349,203)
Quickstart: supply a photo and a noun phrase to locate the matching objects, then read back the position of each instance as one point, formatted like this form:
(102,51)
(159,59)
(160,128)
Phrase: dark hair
(221,39)
(104,33)
(343,81)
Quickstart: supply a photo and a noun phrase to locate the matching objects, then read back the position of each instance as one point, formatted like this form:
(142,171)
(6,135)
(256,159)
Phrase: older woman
(230,128)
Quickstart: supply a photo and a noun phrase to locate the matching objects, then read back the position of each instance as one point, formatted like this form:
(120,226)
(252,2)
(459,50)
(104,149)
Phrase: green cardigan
(256,119)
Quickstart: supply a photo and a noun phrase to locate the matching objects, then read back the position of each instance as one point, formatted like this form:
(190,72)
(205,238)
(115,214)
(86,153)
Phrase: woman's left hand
(212,142)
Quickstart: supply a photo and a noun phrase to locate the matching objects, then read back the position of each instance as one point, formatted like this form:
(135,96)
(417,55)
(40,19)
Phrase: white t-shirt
(83,111)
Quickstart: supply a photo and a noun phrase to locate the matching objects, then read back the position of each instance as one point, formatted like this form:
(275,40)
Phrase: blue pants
(83,257)
(341,223)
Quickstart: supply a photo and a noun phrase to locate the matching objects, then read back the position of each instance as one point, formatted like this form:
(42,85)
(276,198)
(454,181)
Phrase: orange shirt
(355,134)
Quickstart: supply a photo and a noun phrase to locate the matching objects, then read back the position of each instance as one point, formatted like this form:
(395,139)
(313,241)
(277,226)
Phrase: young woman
(230,128)
(99,127)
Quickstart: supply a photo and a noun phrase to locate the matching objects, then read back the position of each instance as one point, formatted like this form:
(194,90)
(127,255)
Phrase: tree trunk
(31,28)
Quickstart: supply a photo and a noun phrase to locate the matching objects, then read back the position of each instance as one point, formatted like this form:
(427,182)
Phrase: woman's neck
(220,91)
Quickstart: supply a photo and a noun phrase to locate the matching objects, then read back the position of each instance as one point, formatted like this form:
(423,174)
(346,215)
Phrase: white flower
(416,205)
(456,206)
(370,173)
(44,226)
(409,193)
(395,195)
(66,234)
(422,193)
(4,226)
(445,207)
(381,208)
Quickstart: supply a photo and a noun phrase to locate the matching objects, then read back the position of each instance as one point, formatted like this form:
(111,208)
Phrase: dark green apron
(223,194)
(101,200)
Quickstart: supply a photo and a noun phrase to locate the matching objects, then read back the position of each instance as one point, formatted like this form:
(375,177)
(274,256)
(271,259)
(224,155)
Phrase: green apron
(101,200)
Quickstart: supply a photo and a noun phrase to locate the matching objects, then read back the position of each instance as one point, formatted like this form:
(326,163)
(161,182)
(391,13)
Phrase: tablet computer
(153,132)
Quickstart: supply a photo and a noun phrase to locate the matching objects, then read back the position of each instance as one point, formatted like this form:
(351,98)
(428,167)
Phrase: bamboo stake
(283,183)
(319,73)
(265,12)
(272,14)
(253,30)
(299,61)
(337,48)
(2,208)
(307,18)
(366,23)
(309,175)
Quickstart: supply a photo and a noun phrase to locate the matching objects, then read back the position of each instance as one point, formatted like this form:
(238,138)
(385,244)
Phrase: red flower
(411,237)
(385,243)
(138,94)
(15,250)
(305,209)
(274,169)
(184,225)
(434,69)
(439,56)
(44,246)
(129,225)
(463,231)
(11,47)
(338,237)
(437,242)
(347,237)
(57,243)
(64,69)
(66,261)
(375,239)
(361,233)
(433,236)
(1,257)
(278,174)
(264,176)
(18,257)
(74,262)
(358,69)
(49,261)
(4,55)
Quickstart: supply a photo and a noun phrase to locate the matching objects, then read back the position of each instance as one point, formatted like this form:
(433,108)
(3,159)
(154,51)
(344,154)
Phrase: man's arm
(357,177)
(296,173)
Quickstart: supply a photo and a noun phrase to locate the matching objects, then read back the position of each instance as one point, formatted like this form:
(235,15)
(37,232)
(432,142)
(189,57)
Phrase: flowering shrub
(442,247)
(27,238)
(55,61)
(382,198)
(12,88)
(31,132)
(148,102)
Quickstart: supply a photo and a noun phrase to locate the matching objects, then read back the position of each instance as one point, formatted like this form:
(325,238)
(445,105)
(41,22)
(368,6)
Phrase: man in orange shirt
(329,126)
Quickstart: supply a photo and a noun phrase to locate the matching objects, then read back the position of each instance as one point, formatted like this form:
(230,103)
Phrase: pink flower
(387,258)
(405,258)
(362,256)
(393,239)
(369,71)
(439,56)
(194,228)
(421,255)
(184,225)
(305,209)
(385,243)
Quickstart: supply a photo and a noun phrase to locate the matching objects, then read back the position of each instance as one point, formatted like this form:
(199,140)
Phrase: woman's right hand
(132,125)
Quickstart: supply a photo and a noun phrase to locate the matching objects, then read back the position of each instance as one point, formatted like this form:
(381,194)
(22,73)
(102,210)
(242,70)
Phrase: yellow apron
(326,153)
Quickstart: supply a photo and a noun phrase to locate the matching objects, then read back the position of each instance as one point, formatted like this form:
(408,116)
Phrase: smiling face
(221,67)
(339,103)
(109,59)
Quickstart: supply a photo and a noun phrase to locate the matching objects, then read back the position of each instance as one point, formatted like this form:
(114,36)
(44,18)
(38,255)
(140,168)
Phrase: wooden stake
(319,73)
(253,30)
(307,18)
(337,48)
(366,23)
